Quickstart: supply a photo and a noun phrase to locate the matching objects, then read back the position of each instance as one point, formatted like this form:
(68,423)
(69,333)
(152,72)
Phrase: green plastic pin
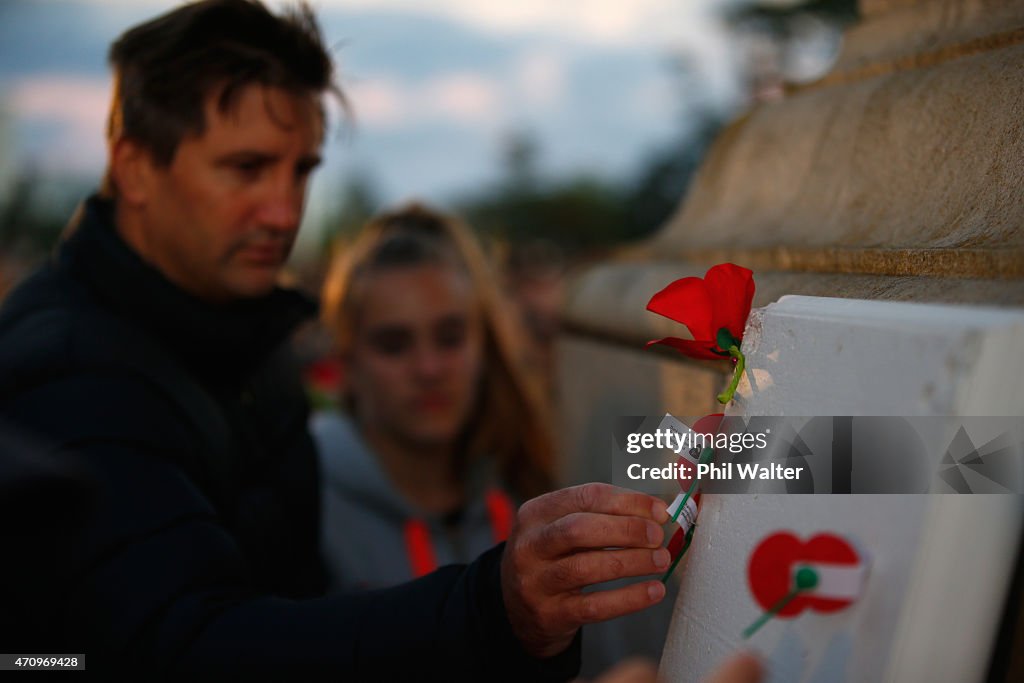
(806,579)
(705,458)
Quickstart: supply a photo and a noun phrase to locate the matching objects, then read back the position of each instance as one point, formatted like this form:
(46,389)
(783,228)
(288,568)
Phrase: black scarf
(218,342)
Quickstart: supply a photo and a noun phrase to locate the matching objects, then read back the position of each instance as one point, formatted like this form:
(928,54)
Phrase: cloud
(608,22)
(458,97)
(379,102)
(63,98)
(692,28)
(72,110)
(461,97)
(541,77)
(434,85)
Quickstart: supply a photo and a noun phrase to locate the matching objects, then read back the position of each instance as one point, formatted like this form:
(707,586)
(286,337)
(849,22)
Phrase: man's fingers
(741,668)
(595,497)
(587,608)
(582,569)
(634,670)
(588,530)
(542,576)
(585,569)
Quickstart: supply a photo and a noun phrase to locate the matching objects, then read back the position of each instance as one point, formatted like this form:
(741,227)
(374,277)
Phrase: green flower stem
(806,579)
(705,457)
(776,608)
(741,363)
(686,546)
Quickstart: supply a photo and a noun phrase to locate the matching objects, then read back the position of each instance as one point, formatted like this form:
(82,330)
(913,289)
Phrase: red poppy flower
(714,309)
(709,425)
(324,375)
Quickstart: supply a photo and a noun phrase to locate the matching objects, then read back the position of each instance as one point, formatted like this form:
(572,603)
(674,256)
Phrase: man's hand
(634,670)
(572,538)
(740,668)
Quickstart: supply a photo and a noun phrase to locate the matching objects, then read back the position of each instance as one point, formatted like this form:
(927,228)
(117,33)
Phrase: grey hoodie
(365,520)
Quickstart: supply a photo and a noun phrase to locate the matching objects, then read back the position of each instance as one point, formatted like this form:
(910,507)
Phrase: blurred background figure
(534,279)
(437,437)
(742,667)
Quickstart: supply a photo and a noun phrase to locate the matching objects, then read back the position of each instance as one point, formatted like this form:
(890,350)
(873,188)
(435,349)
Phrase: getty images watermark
(835,454)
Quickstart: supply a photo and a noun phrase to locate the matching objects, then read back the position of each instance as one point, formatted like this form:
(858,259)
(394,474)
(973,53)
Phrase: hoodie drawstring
(420,549)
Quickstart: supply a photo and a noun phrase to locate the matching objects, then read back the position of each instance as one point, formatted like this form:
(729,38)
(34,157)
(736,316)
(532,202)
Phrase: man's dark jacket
(193,550)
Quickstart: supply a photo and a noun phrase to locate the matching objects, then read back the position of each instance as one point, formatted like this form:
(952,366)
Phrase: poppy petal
(688,347)
(686,301)
(324,374)
(709,424)
(675,544)
(731,289)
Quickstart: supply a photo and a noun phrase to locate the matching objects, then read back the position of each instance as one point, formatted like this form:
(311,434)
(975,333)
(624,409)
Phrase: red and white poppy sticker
(840,571)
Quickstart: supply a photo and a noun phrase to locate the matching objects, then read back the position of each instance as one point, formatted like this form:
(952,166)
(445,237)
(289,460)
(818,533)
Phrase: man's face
(220,220)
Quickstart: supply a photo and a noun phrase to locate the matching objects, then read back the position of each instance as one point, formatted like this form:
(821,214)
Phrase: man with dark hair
(149,357)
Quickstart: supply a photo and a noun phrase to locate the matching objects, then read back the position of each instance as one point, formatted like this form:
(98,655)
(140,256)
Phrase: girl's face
(417,354)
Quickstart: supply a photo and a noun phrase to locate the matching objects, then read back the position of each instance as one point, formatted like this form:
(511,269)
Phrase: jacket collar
(212,339)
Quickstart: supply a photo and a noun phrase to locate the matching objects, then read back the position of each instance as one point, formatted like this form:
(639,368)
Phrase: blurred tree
(358,202)
(662,183)
(585,212)
(779,16)
(33,214)
(573,214)
(521,151)
(793,42)
(579,213)
(654,195)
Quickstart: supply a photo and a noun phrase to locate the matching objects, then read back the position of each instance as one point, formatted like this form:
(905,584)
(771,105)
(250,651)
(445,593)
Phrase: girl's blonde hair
(508,422)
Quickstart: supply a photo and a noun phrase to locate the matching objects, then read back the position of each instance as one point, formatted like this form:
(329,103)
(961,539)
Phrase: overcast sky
(435,85)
